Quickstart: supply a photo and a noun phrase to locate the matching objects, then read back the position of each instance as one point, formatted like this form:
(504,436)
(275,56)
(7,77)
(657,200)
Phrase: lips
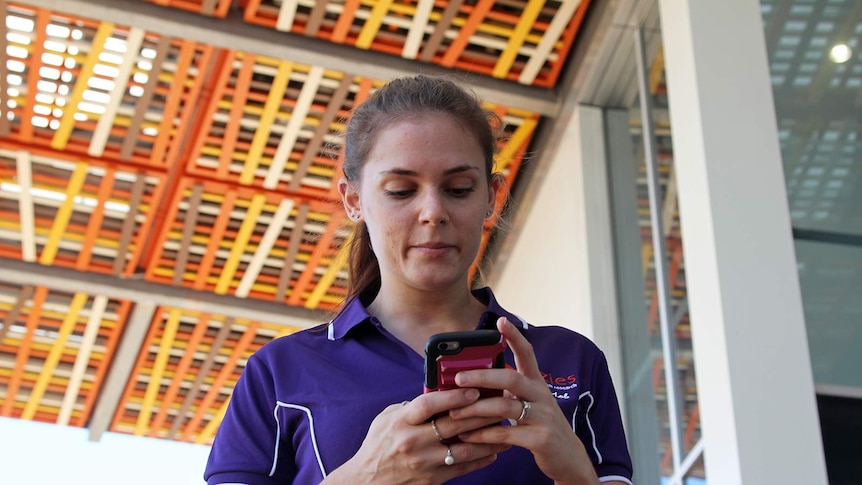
(434,249)
(433,245)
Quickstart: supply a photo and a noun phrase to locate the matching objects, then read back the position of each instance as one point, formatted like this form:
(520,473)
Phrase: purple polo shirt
(305,401)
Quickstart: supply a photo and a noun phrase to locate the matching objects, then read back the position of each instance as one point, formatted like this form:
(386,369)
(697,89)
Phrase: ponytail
(364,269)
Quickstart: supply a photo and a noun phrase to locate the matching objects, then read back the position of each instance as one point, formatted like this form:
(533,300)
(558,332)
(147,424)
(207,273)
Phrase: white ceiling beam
(145,292)
(122,366)
(234,33)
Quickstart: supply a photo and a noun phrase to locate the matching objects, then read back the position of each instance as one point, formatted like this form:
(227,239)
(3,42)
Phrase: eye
(397,194)
(461,191)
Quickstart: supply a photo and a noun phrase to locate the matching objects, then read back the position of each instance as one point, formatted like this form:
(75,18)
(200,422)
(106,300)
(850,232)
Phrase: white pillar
(757,402)
(561,269)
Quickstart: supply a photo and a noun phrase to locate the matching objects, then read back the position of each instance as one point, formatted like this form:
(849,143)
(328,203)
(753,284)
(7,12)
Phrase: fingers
(421,409)
(527,382)
(525,358)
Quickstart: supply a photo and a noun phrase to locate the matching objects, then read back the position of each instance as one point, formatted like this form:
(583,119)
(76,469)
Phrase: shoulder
(290,347)
(549,337)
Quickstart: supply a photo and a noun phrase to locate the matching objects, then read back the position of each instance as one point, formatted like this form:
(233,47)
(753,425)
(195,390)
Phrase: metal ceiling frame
(234,33)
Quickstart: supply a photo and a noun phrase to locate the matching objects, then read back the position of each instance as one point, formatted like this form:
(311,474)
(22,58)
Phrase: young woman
(343,403)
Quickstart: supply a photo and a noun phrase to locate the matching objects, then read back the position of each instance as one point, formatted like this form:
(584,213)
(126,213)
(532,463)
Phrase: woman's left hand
(543,429)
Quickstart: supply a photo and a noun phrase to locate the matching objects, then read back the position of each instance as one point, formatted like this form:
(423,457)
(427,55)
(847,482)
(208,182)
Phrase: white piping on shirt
(611,478)
(589,424)
(307,411)
(330,331)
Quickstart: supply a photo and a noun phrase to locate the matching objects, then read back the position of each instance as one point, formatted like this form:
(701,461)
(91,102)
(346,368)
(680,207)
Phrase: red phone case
(478,349)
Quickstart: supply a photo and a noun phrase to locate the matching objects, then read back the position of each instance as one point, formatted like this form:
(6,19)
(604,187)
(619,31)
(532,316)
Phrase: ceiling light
(840,53)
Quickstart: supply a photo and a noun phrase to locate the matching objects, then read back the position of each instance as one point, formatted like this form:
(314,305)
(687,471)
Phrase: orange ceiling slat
(33,74)
(325,249)
(182,371)
(22,355)
(52,364)
(228,371)
(471,24)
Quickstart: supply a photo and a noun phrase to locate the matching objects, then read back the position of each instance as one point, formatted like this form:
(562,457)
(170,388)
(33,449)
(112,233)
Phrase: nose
(433,209)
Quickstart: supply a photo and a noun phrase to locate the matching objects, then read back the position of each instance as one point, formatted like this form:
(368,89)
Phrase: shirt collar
(354,313)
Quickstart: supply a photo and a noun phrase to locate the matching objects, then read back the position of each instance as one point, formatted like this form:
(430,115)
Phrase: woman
(343,403)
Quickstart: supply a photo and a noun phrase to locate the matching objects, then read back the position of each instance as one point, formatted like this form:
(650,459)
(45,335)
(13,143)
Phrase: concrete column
(757,402)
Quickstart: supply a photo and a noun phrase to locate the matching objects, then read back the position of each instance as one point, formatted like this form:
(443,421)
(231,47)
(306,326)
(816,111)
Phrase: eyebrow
(413,173)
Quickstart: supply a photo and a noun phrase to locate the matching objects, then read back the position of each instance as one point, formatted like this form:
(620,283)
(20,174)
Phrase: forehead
(427,141)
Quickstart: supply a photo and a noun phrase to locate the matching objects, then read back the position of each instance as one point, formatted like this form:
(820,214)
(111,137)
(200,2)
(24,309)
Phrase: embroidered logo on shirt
(561,386)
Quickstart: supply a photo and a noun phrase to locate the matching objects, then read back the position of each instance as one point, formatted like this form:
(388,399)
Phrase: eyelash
(457,192)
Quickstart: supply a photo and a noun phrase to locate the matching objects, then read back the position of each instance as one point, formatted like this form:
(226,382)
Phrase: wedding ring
(526,411)
(449,460)
(437,433)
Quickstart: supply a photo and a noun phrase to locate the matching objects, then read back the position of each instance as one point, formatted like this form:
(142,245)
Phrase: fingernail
(462,379)
(472,394)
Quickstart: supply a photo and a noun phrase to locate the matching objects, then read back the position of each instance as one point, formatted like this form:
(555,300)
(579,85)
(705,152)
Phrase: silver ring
(449,460)
(526,411)
(437,433)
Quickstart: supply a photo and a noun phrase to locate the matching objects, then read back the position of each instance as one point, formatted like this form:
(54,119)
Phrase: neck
(414,315)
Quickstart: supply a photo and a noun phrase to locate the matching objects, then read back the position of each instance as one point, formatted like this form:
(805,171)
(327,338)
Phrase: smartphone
(447,354)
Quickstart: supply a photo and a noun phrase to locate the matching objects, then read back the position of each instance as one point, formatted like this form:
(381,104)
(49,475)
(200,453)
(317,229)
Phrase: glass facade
(815,63)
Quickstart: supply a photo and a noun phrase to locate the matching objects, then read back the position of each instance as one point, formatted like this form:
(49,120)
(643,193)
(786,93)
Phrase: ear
(494,188)
(349,192)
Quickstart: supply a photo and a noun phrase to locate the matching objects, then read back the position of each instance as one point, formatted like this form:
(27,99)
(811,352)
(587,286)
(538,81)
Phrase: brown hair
(402,99)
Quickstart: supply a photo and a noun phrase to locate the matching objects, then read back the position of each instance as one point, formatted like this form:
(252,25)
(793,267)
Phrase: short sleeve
(598,424)
(247,446)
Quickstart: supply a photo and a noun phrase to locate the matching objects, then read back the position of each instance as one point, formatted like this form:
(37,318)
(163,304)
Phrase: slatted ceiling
(55,348)
(270,124)
(75,214)
(183,377)
(235,241)
(213,8)
(98,89)
(488,37)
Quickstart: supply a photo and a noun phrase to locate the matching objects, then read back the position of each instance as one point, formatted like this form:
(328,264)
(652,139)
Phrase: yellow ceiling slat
(325,282)
(209,431)
(64,214)
(517,140)
(522,29)
(372,25)
(240,244)
(82,359)
(162,356)
(54,355)
(279,220)
(546,45)
(267,118)
(67,123)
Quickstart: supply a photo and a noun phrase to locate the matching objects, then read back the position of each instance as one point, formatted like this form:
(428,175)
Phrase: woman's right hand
(402,447)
